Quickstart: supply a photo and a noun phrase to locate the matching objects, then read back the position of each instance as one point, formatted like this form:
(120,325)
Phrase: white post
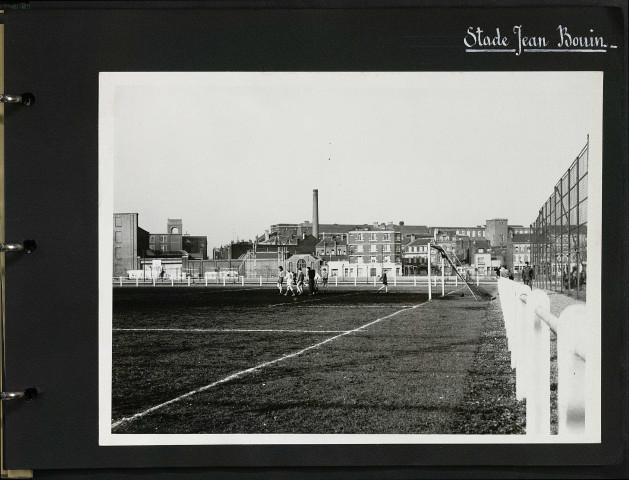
(188,281)
(571,386)
(514,327)
(374,281)
(518,322)
(429,273)
(242,281)
(394,280)
(136,282)
(443,278)
(260,280)
(223,281)
(477,278)
(414,280)
(537,349)
(456,280)
(336,281)
(354,281)
(153,281)
(206,281)
(121,281)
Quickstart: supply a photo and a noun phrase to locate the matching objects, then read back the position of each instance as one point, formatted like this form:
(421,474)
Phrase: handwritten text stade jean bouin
(564,40)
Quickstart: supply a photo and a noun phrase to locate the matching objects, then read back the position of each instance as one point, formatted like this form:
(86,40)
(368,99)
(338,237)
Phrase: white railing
(419,281)
(528,323)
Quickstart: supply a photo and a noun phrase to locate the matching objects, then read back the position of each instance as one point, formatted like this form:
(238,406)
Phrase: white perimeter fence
(421,281)
(528,323)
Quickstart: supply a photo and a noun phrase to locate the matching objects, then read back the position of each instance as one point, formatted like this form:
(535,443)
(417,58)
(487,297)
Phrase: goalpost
(444,256)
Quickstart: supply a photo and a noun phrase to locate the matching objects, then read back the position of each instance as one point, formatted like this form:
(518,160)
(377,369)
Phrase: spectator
(311,280)
(527,274)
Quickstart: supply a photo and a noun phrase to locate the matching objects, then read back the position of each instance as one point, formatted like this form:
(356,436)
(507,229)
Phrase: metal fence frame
(559,234)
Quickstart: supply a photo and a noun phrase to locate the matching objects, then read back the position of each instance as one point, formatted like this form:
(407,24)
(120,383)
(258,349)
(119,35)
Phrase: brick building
(520,251)
(175,241)
(130,243)
(332,246)
(375,251)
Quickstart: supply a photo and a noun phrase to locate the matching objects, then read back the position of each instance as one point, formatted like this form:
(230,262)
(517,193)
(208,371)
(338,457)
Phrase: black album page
(374,240)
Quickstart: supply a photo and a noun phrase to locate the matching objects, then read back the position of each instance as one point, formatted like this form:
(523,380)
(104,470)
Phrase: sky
(233,153)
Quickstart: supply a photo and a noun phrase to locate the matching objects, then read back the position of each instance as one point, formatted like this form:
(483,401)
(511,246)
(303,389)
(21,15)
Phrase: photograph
(350,257)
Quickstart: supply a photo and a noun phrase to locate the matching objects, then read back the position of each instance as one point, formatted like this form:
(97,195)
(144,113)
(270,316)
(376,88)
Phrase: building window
(387,259)
(373,259)
(151,246)
(387,248)
(359,248)
(118,252)
(164,238)
(301,263)
(373,237)
(118,236)
(387,237)
(151,238)
(164,248)
(373,248)
(359,237)
(118,222)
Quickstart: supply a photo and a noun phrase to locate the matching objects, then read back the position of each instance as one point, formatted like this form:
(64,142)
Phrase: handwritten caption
(477,40)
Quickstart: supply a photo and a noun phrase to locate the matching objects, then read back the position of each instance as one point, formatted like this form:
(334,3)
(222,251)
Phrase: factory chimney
(315,213)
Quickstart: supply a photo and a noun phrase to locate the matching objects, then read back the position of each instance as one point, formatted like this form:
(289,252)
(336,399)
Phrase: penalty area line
(242,373)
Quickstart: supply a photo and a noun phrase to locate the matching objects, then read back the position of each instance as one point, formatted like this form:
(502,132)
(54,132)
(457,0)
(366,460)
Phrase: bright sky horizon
(233,153)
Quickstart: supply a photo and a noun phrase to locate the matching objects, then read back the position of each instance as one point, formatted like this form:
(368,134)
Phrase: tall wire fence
(559,234)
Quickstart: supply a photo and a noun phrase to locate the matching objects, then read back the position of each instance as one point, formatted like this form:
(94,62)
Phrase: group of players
(298,279)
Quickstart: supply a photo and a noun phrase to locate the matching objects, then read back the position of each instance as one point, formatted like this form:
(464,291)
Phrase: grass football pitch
(246,360)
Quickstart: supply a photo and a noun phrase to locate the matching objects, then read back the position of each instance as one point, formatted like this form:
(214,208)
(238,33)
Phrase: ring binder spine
(25,99)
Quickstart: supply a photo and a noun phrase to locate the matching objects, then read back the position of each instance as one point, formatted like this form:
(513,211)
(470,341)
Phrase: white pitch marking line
(221,330)
(233,376)
(384,305)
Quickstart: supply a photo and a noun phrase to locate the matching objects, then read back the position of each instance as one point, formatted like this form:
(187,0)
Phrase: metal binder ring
(28,246)
(10,98)
(30,393)
(11,247)
(26,98)
(4,396)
